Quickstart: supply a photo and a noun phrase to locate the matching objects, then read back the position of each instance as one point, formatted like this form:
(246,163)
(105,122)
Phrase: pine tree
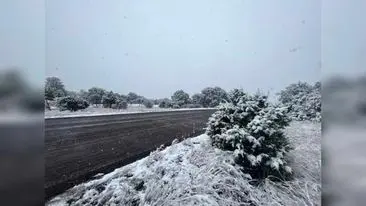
(253,129)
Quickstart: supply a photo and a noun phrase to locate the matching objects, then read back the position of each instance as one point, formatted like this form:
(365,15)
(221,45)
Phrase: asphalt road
(78,148)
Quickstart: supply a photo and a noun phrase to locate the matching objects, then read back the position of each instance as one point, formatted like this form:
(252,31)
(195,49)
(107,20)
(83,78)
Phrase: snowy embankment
(192,172)
(97,111)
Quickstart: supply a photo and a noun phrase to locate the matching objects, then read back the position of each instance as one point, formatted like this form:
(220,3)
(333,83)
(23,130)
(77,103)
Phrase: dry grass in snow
(194,173)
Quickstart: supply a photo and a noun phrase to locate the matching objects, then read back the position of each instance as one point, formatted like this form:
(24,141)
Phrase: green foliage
(197,99)
(317,86)
(54,88)
(235,96)
(121,104)
(294,90)
(157,101)
(122,97)
(132,98)
(303,99)
(94,99)
(71,103)
(253,129)
(49,94)
(180,98)
(96,95)
(121,101)
(140,100)
(165,103)
(213,96)
(108,99)
(83,94)
(148,103)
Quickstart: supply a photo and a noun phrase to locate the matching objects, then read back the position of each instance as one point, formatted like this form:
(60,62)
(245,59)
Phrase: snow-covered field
(95,111)
(192,172)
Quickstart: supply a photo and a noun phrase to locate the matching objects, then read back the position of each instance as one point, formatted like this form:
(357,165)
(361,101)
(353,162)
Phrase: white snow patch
(92,111)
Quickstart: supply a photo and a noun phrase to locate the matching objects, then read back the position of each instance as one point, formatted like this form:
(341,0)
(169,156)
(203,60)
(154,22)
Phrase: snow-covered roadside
(107,111)
(194,173)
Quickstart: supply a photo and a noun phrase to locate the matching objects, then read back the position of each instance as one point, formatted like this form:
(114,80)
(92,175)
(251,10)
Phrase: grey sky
(156,47)
(343,37)
(22,38)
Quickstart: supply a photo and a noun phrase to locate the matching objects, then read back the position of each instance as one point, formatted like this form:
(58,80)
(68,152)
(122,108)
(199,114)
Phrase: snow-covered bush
(197,99)
(108,99)
(180,98)
(212,96)
(71,103)
(95,95)
(253,129)
(148,103)
(120,104)
(235,95)
(312,105)
(165,103)
(303,99)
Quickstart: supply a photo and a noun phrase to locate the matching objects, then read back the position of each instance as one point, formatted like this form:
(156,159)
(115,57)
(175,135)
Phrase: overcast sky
(156,47)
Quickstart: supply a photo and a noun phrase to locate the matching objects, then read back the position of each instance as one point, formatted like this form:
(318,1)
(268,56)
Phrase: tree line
(71,100)
(302,99)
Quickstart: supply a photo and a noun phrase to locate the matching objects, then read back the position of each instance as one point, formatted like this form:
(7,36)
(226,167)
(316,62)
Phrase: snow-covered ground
(192,172)
(95,111)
